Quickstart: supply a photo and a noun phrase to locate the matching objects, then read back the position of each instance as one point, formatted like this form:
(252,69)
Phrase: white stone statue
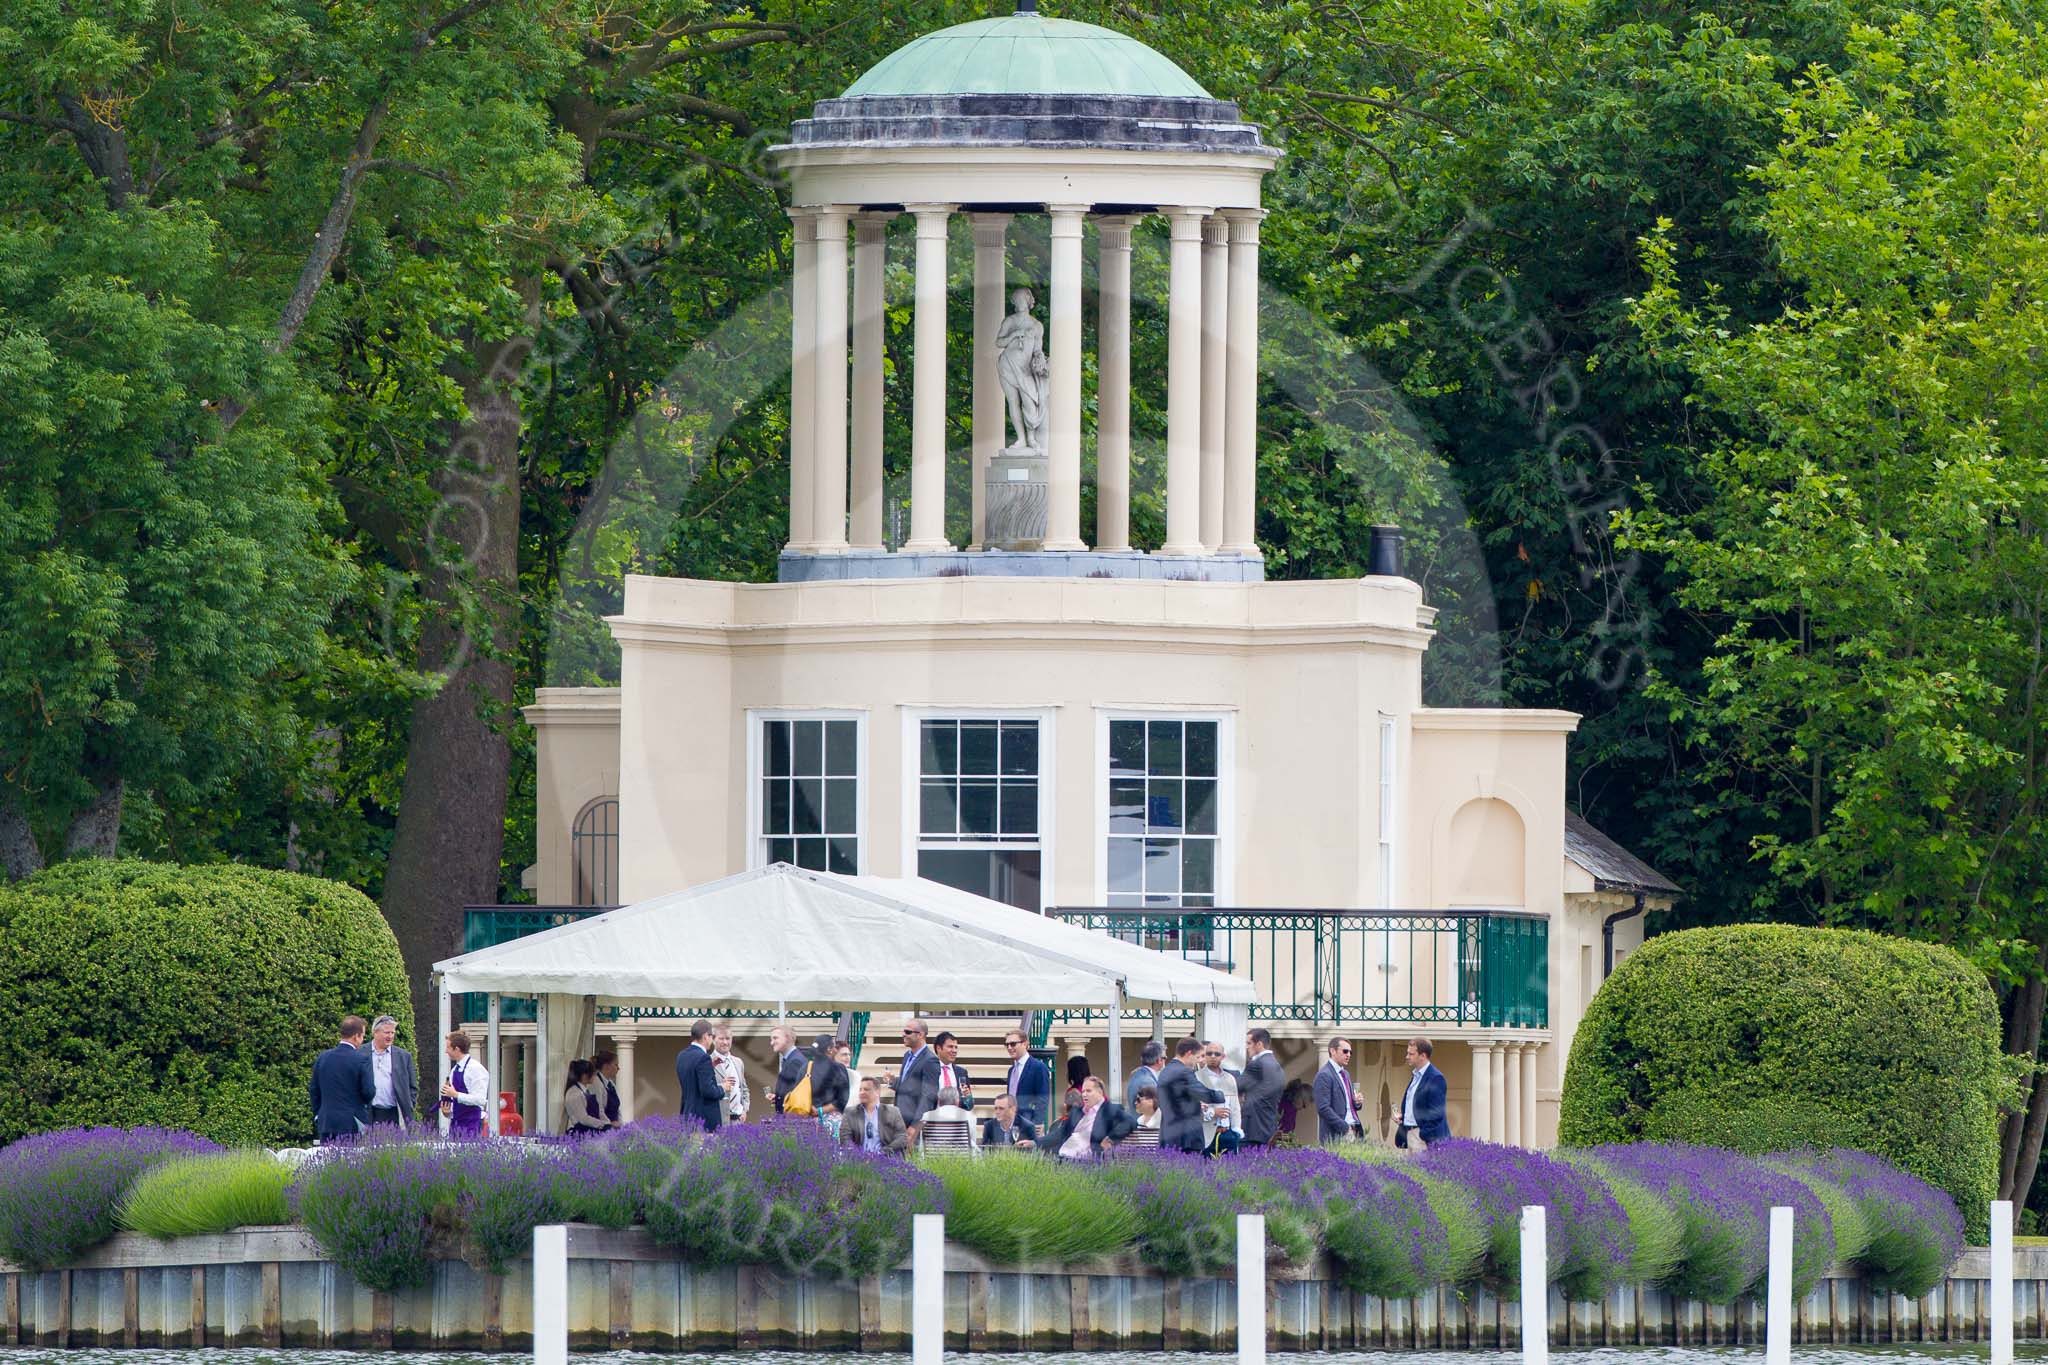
(1024,373)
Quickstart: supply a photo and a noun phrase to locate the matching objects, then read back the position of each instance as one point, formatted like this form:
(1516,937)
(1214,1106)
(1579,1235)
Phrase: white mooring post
(927,1288)
(1251,1289)
(1778,1296)
(551,1295)
(2001,1282)
(1535,1288)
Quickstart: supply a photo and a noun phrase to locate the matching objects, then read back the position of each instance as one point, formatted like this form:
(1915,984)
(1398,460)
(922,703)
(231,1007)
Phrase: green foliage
(1015,1207)
(199,1194)
(1658,1229)
(1898,1041)
(191,997)
(1845,1214)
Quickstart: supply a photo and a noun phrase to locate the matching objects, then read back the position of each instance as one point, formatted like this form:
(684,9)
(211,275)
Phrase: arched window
(594,849)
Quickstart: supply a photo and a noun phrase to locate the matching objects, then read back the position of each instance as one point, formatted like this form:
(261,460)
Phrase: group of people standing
(367,1080)
(590,1099)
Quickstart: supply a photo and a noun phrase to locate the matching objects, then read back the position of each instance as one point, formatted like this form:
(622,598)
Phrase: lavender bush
(1187,1220)
(1725,1200)
(1587,1237)
(59,1192)
(783,1194)
(373,1207)
(1912,1229)
(1376,1219)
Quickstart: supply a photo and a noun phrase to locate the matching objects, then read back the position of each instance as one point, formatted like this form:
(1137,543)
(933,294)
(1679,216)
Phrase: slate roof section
(1614,868)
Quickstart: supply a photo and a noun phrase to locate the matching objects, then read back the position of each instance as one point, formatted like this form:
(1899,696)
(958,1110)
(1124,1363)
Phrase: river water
(1956,1354)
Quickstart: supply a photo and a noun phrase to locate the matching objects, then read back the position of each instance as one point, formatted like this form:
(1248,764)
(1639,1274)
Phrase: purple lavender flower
(1915,1228)
(1375,1219)
(1587,1238)
(1725,1199)
(59,1191)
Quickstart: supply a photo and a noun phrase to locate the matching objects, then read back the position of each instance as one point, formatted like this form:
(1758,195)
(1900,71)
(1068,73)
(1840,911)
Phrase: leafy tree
(1868,555)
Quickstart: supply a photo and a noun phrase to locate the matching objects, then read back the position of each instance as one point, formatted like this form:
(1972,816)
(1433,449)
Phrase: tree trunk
(20,855)
(96,831)
(451,813)
(2022,1039)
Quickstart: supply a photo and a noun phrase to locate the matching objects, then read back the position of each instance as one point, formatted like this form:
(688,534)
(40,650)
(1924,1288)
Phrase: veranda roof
(784,937)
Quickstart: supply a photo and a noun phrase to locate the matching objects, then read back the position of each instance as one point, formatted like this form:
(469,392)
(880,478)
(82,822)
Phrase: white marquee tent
(783,938)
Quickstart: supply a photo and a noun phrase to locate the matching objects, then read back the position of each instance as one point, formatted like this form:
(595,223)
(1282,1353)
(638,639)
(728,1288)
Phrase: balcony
(1478,968)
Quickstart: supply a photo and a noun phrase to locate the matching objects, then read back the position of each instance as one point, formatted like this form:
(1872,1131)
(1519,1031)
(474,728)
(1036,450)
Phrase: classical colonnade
(1504,1092)
(1212,377)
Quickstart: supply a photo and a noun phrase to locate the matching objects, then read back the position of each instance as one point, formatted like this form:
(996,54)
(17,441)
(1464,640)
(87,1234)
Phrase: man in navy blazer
(1423,1120)
(1030,1080)
(1336,1097)
(342,1086)
(1181,1097)
(703,1092)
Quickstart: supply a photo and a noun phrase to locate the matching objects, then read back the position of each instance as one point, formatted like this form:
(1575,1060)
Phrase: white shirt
(380,1068)
(1076,1147)
(476,1082)
(1220,1079)
(1408,1099)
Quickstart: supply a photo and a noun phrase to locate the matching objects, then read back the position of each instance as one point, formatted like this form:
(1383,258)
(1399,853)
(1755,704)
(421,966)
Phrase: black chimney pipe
(1383,556)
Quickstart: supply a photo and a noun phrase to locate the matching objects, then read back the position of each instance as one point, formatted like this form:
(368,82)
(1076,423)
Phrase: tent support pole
(540,1120)
(1158,1023)
(1116,1046)
(446,1016)
(589,1043)
(495,1050)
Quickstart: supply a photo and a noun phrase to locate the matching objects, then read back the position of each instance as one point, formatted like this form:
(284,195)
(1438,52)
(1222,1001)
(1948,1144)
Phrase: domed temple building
(1157,743)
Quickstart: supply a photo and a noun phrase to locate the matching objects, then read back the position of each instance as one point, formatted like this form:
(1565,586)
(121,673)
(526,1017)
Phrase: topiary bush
(1768,1036)
(185,997)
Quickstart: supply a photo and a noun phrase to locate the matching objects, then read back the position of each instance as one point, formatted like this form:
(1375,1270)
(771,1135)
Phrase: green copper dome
(1026,54)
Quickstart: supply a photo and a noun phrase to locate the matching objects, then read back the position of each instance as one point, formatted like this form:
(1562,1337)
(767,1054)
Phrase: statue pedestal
(1016,503)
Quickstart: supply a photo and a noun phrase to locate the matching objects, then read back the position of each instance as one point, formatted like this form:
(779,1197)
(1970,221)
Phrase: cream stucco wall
(1300,673)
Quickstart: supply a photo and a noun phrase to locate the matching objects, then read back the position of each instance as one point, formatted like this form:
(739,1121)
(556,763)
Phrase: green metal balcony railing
(486,926)
(1489,968)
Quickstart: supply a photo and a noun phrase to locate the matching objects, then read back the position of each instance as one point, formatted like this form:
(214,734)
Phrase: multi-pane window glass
(1163,812)
(810,793)
(978,781)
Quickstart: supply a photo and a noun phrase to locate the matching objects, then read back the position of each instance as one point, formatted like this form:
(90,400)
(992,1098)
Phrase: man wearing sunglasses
(917,1079)
(1337,1102)
(1030,1081)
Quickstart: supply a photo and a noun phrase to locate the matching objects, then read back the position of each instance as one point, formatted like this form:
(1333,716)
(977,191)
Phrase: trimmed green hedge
(187,997)
(1765,1037)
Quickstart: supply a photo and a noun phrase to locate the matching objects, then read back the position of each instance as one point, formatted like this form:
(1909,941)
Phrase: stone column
(1063,402)
(1530,1137)
(622,1043)
(1511,1086)
(803,377)
(828,500)
(1502,1061)
(1183,383)
(1241,386)
(1482,1092)
(1215,337)
(928,400)
(870,248)
(1113,384)
(991,274)
(524,1062)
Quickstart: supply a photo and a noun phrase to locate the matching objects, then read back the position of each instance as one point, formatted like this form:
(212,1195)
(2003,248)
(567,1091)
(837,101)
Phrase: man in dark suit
(1008,1128)
(1150,1057)
(703,1092)
(917,1080)
(1030,1081)
(342,1086)
(789,1066)
(1336,1096)
(1423,1117)
(1092,1125)
(392,1075)
(1259,1090)
(952,1075)
(1181,1097)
